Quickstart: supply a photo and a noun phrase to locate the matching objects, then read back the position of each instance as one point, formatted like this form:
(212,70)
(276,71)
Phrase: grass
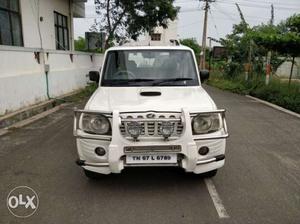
(277,92)
(85,93)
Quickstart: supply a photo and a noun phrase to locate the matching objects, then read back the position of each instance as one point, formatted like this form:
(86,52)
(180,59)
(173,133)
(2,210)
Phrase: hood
(167,99)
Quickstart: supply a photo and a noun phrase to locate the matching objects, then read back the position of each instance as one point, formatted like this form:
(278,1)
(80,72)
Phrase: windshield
(149,68)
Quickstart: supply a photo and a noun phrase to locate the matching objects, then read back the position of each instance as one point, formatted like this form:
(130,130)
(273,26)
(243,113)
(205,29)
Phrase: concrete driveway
(260,182)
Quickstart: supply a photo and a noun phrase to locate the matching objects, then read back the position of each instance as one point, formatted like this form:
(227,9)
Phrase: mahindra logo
(152,115)
(22,201)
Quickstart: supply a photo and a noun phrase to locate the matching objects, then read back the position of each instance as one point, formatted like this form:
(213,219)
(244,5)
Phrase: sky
(222,15)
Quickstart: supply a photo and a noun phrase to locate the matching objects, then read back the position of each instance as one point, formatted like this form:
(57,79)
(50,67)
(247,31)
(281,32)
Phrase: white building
(159,36)
(37,51)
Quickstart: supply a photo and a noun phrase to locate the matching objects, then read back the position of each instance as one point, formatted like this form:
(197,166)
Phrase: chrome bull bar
(79,133)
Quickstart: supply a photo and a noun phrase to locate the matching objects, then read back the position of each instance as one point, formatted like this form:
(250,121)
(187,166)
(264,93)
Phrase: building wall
(22,75)
(30,13)
(285,69)
(23,79)
(166,35)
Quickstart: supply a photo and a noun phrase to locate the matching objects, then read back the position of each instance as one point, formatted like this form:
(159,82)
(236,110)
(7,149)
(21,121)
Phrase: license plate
(142,159)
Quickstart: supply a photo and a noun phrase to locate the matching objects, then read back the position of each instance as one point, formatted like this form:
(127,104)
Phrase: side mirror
(204,75)
(94,76)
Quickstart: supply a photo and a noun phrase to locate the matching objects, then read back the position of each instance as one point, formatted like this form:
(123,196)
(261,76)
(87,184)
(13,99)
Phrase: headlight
(206,123)
(95,124)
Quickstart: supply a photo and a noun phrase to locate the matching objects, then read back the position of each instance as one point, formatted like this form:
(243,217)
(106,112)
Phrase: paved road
(260,182)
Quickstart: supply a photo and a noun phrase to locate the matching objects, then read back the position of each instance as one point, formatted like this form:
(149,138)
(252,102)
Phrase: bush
(233,69)
(276,92)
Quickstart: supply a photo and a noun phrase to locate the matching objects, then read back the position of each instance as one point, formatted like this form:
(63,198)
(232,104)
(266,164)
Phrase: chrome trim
(150,111)
(92,112)
(96,164)
(154,148)
(151,120)
(84,163)
(215,159)
(151,126)
(223,123)
(212,137)
(206,161)
(77,134)
(93,138)
(150,164)
(220,111)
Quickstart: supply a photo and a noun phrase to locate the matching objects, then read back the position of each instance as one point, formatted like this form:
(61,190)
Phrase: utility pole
(210,53)
(269,54)
(248,67)
(203,52)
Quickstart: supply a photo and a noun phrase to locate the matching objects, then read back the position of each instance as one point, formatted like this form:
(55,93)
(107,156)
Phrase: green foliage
(293,23)
(246,44)
(233,69)
(84,94)
(277,92)
(283,38)
(79,44)
(192,43)
(123,19)
(284,42)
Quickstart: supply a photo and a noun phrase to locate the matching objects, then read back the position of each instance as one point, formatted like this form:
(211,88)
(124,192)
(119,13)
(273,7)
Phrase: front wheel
(92,175)
(210,173)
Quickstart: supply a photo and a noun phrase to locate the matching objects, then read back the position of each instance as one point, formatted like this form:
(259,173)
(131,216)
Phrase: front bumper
(114,161)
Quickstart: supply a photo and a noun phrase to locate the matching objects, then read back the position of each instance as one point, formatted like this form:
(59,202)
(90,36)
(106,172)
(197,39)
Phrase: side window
(10,23)
(61,31)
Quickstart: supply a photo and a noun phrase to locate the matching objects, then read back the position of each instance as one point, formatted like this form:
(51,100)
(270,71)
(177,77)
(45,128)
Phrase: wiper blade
(113,82)
(140,80)
(171,80)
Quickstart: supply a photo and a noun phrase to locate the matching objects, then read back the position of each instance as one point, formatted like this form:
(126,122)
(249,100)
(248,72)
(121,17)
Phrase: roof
(180,47)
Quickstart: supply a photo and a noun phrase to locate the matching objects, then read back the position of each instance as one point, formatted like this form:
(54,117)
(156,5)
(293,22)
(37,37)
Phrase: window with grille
(10,23)
(61,31)
(155,36)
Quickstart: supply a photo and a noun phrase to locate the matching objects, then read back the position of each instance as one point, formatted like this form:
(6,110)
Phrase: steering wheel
(121,72)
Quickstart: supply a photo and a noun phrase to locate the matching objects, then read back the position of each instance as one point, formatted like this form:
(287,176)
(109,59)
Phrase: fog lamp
(166,129)
(134,129)
(100,151)
(203,150)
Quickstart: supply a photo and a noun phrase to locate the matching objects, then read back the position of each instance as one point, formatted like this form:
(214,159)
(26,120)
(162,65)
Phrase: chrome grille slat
(151,126)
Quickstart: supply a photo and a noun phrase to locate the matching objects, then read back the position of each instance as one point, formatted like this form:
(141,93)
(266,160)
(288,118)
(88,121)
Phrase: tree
(192,43)
(79,44)
(237,43)
(123,19)
(283,38)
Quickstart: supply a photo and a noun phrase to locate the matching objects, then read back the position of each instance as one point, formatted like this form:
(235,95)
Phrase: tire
(92,175)
(210,173)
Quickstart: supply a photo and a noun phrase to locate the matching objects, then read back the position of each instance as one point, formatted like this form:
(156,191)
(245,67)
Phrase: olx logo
(22,201)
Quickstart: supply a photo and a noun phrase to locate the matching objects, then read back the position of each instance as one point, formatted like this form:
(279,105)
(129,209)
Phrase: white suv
(150,110)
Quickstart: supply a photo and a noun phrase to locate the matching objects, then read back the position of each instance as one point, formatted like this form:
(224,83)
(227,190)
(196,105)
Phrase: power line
(269,3)
(224,13)
(256,6)
(257,3)
(212,18)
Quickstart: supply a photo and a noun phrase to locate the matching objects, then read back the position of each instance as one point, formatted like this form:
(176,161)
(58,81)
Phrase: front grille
(151,126)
